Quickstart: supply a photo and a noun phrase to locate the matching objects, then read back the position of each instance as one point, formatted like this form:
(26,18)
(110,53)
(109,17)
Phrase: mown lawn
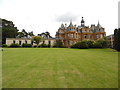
(59,68)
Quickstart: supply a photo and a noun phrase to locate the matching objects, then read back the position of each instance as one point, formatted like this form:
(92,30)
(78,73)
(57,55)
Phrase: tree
(20,35)
(45,35)
(103,42)
(25,33)
(37,39)
(59,43)
(48,35)
(117,39)
(30,33)
(8,30)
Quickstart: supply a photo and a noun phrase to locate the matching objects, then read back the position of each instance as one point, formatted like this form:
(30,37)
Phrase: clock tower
(82,22)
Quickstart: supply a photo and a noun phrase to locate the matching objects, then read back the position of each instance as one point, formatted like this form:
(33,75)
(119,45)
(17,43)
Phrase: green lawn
(59,68)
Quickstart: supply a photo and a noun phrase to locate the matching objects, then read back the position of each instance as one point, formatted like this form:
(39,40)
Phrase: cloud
(67,17)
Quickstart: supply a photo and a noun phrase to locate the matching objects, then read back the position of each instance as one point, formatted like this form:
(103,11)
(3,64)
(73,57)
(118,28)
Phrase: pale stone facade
(20,41)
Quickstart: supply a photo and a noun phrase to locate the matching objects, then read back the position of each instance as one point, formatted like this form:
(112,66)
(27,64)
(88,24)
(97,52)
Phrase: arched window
(85,36)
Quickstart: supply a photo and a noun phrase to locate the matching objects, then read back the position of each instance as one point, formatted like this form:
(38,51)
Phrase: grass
(59,68)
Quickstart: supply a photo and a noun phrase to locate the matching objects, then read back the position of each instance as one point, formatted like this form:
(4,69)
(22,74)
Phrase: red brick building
(72,33)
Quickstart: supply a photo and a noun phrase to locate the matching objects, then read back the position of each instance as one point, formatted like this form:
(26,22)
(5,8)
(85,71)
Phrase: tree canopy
(117,39)
(36,39)
(8,30)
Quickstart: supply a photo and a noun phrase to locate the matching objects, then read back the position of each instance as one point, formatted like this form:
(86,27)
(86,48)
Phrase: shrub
(26,45)
(4,45)
(76,45)
(83,44)
(97,45)
(49,45)
(59,44)
(103,43)
(90,43)
(44,46)
(54,46)
(14,45)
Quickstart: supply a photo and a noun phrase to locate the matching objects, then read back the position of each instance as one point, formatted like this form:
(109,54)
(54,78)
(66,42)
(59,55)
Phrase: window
(49,42)
(72,42)
(97,36)
(19,42)
(72,35)
(68,35)
(76,35)
(85,36)
(54,42)
(43,42)
(32,42)
(91,36)
(26,41)
(14,41)
(101,35)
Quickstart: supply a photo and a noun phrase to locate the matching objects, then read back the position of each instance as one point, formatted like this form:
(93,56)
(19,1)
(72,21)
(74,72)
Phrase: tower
(98,25)
(82,22)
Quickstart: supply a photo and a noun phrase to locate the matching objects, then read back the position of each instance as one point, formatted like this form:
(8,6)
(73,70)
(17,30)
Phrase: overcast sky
(47,15)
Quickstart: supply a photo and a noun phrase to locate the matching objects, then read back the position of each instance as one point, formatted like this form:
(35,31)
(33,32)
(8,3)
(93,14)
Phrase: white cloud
(47,15)
(67,17)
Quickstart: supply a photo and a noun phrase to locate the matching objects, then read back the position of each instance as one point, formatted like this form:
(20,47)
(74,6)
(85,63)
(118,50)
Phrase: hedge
(14,45)
(85,44)
(26,45)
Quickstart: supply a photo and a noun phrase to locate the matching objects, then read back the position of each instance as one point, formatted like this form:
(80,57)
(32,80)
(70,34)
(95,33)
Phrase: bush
(83,44)
(26,45)
(4,45)
(90,43)
(97,45)
(14,45)
(59,44)
(54,46)
(76,45)
(101,43)
(44,46)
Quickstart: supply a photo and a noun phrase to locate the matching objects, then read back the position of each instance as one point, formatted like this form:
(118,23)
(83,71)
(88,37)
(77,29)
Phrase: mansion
(67,34)
(72,33)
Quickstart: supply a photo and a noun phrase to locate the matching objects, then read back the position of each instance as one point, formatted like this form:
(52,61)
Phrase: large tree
(37,39)
(45,35)
(25,34)
(8,30)
(117,39)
